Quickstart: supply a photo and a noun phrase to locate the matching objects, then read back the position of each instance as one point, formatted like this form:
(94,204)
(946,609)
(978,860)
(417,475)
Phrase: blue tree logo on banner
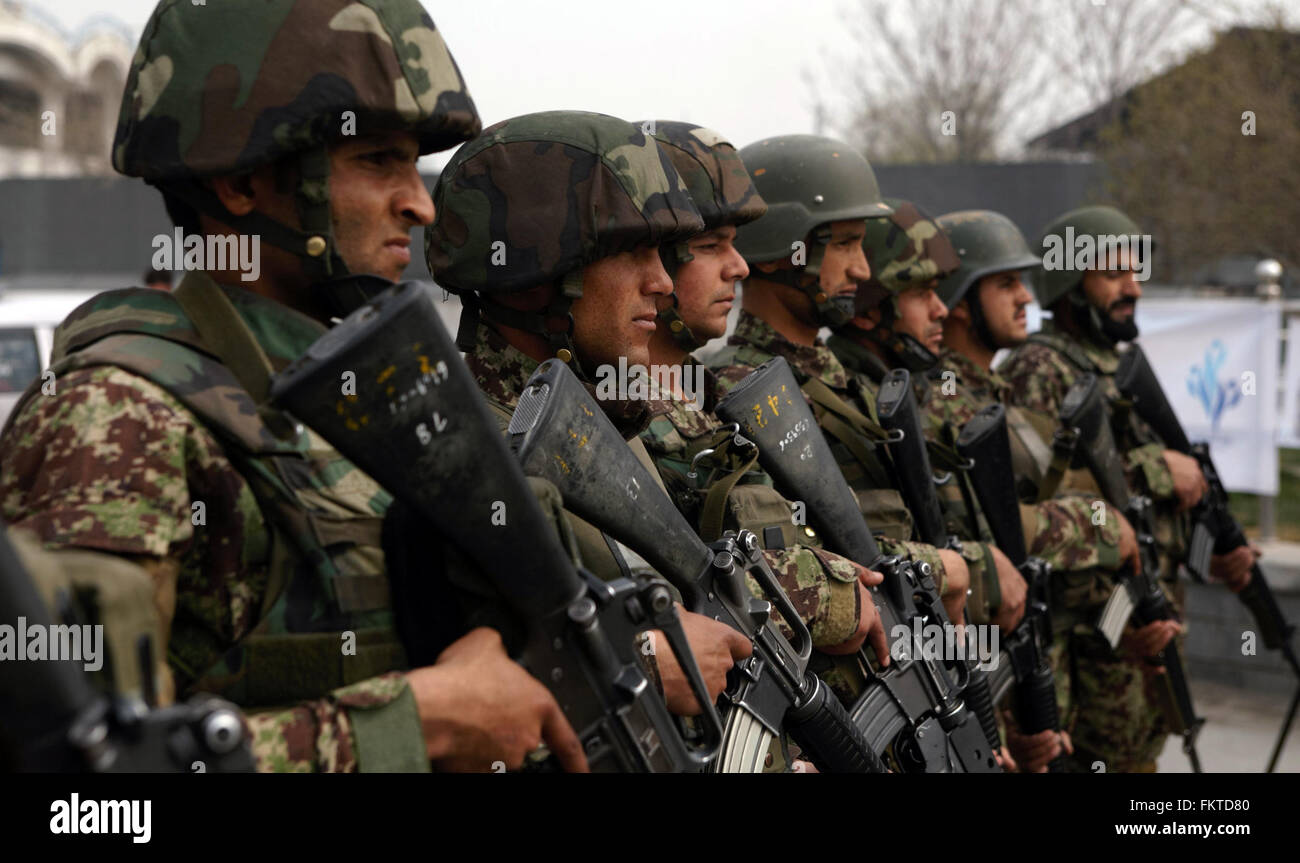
(1203,382)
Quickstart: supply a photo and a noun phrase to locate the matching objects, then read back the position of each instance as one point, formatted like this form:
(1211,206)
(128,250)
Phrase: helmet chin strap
(980,323)
(902,349)
(830,311)
(673,257)
(475,307)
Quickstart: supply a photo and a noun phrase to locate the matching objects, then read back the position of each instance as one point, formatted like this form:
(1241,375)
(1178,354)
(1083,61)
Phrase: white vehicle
(27,321)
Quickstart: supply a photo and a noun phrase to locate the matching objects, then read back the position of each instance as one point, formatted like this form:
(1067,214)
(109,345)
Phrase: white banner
(1288,427)
(1218,363)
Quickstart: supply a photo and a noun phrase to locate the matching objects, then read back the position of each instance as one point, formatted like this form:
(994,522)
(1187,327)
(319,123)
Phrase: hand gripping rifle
(985,442)
(419,425)
(1084,410)
(560,433)
(53,720)
(1214,529)
(914,704)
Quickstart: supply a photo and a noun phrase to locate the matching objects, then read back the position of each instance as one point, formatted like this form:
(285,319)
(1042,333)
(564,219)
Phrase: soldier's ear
(237,192)
(960,312)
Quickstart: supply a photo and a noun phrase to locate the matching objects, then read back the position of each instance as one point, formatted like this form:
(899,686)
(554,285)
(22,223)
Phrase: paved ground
(1240,730)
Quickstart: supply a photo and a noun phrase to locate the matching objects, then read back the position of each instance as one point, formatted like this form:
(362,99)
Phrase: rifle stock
(914,704)
(419,425)
(560,433)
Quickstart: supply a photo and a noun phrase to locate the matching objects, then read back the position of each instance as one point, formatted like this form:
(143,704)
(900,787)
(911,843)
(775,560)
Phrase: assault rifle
(420,426)
(560,433)
(1214,529)
(914,704)
(896,407)
(1084,411)
(985,442)
(53,720)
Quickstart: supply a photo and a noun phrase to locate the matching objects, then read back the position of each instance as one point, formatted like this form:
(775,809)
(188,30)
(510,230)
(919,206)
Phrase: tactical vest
(324,557)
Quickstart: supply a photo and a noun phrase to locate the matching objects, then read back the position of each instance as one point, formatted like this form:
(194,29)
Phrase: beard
(1125,330)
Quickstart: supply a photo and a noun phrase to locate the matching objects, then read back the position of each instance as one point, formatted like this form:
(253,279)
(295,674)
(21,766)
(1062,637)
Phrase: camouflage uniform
(152,447)
(753,343)
(1119,723)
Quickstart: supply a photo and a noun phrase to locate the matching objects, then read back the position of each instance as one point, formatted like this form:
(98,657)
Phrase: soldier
(584,293)
(913,256)
(805,260)
(153,441)
(897,323)
(824,586)
(1092,313)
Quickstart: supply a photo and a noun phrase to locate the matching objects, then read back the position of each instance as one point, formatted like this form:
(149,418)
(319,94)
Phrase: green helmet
(534,199)
(226,87)
(719,186)
(908,248)
(808,182)
(1055,283)
(987,243)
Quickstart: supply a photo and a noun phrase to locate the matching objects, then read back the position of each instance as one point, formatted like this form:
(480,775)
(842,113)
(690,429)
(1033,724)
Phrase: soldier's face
(921,314)
(1003,297)
(844,264)
(706,285)
(376,198)
(615,316)
(1114,292)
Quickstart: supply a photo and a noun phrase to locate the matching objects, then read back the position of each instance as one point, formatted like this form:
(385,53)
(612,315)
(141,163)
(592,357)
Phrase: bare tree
(918,61)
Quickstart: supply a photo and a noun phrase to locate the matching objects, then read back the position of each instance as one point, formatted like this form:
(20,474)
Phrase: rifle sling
(1063,444)
(849,426)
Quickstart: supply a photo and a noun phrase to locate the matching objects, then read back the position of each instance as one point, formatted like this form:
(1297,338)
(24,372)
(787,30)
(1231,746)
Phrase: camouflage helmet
(534,199)
(904,250)
(808,182)
(987,243)
(223,88)
(722,191)
(907,248)
(1095,221)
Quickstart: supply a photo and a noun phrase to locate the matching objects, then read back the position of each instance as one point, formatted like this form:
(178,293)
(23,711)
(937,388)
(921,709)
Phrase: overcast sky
(739,66)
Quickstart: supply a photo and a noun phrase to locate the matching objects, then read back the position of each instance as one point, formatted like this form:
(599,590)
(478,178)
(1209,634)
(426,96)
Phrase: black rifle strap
(1063,444)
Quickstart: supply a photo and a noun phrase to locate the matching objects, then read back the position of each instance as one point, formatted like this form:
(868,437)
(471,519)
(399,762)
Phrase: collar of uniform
(815,361)
(283,333)
(858,358)
(688,422)
(502,370)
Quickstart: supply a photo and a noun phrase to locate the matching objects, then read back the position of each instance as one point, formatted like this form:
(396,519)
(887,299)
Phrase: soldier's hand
(870,626)
(1189,483)
(956,584)
(1033,752)
(1147,641)
(1014,591)
(1234,568)
(1129,553)
(716,646)
(478,706)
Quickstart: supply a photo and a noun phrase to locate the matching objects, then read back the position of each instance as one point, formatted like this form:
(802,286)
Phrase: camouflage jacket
(118,460)
(1041,372)
(821,585)
(753,343)
(1059,530)
(865,371)
(823,591)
